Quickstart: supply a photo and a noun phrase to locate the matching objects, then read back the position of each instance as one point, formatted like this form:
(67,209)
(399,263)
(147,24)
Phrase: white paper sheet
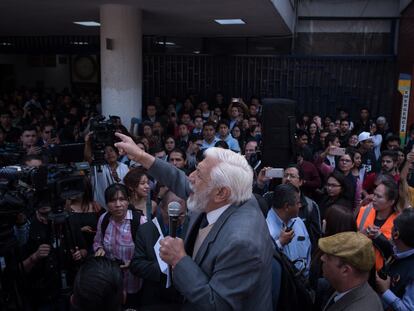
(163,265)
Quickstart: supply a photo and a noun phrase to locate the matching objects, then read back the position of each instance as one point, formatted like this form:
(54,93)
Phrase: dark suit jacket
(232,269)
(144,264)
(362,298)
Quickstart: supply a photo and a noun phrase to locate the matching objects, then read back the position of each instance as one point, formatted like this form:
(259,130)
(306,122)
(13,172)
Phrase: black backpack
(135,222)
(295,292)
(314,229)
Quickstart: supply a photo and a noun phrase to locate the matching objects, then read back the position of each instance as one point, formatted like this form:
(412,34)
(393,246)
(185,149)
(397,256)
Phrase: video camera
(10,154)
(65,182)
(17,192)
(103,135)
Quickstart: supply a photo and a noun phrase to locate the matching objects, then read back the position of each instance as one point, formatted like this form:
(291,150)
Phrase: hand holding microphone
(172,248)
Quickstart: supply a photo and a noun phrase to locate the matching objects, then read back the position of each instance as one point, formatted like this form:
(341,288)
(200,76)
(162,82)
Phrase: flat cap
(353,247)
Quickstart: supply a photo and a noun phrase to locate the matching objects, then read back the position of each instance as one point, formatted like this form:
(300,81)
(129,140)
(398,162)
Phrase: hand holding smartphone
(338,151)
(274,173)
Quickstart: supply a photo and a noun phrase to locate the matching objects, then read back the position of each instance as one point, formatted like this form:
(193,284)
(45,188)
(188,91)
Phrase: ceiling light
(196,52)
(79,43)
(88,24)
(236,21)
(165,43)
(6,44)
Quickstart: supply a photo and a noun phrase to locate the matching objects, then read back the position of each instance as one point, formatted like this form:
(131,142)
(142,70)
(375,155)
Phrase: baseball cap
(364,136)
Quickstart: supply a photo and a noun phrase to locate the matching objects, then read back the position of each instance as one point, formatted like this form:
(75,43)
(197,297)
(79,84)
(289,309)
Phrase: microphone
(173,214)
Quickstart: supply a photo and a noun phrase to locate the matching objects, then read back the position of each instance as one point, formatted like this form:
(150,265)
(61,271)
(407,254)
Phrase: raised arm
(167,174)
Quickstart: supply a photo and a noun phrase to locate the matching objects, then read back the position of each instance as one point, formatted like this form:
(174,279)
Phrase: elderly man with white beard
(225,261)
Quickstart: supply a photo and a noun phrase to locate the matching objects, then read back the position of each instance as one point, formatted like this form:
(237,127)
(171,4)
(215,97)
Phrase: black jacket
(144,264)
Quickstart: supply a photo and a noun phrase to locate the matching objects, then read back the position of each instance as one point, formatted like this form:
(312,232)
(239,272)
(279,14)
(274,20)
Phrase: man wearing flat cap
(347,260)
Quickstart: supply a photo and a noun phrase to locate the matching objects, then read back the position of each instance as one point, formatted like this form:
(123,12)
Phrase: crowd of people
(341,213)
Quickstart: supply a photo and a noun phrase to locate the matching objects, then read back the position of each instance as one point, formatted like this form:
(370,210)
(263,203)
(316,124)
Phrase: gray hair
(381,120)
(232,171)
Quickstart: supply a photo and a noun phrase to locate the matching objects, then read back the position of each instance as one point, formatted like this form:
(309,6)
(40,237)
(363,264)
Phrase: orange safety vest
(366,218)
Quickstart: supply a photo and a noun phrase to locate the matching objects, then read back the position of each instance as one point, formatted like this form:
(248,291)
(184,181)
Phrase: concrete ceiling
(160,17)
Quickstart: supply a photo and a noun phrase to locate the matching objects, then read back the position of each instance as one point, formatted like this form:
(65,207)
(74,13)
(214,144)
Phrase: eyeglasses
(290,176)
(332,186)
(345,160)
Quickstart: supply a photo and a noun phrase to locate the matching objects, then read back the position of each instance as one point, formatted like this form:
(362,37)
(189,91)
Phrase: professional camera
(65,182)
(10,154)
(103,135)
(17,192)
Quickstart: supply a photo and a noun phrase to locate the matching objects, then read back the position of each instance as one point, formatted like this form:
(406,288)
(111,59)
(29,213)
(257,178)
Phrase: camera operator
(28,141)
(48,136)
(113,172)
(45,263)
(49,142)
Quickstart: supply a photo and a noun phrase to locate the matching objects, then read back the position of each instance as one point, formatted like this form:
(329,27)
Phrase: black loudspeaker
(279,125)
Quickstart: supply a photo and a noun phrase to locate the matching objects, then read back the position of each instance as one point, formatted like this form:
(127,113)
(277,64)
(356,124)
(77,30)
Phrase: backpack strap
(104,224)
(309,205)
(364,217)
(135,222)
(148,206)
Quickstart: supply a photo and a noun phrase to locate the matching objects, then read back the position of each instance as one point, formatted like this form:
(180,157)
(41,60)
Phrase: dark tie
(204,221)
(201,223)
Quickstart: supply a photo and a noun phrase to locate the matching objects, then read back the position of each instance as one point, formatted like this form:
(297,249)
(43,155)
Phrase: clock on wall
(84,69)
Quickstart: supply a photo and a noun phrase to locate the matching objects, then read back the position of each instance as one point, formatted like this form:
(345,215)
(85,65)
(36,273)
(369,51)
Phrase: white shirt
(214,215)
(101,180)
(331,160)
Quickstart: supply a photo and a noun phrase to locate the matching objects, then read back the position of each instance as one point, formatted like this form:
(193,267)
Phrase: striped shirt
(118,244)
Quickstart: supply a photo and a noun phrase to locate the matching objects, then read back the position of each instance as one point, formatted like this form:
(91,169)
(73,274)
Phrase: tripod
(63,243)
(51,277)
(101,179)
(11,279)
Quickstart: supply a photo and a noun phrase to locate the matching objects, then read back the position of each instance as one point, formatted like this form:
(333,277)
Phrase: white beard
(198,201)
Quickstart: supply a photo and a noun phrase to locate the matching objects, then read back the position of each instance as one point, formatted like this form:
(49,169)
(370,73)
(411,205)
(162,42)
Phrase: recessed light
(6,44)
(165,43)
(79,43)
(236,21)
(88,24)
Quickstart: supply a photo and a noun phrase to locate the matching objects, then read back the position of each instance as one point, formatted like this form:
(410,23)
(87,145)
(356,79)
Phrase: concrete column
(121,61)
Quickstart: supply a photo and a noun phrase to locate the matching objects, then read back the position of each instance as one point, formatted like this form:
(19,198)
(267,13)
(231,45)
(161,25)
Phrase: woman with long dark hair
(169,144)
(238,134)
(137,182)
(85,212)
(338,192)
(345,164)
(314,141)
